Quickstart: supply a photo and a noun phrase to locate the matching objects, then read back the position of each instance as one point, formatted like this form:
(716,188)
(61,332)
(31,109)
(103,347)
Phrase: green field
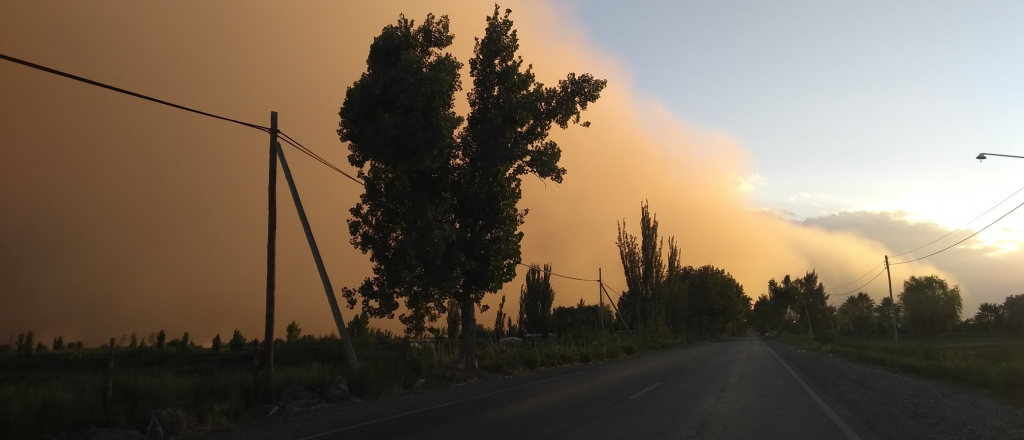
(992,362)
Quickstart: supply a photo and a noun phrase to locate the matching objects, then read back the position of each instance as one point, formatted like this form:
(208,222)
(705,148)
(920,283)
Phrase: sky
(770,139)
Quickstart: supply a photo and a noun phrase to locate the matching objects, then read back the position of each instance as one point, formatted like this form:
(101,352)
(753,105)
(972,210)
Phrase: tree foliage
(293,332)
(535,300)
(856,314)
(1013,311)
(580,320)
(662,293)
(643,268)
(929,305)
(440,215)
(237,342)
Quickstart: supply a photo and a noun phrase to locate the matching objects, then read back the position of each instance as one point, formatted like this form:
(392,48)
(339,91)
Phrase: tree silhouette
(237,342)
(643,268)
(359,326)
(58,343)
(160,338)
(929,305)
(439,214)
(535,300)
(399,122)
(1013,311)
(989,316)
(292,332)
(24,343)
(215,345)
(884,310)
(499,320)
(856,314)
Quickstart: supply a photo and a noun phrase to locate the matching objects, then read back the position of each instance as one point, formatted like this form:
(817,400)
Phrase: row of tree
(662,294)
(925,305)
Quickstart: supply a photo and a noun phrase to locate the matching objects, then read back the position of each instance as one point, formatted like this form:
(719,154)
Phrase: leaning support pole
(622,319)
(350,352)
(600,298)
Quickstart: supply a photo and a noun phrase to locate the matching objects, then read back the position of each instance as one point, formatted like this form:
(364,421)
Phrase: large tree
(989,316)
(535,300)
(399,122)
(716,301)
(644,269)
(856,314)
(1013,312)
(930,305)
(440,214)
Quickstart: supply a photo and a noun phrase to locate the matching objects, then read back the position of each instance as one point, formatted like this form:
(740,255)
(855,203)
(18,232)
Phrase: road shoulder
(898,406)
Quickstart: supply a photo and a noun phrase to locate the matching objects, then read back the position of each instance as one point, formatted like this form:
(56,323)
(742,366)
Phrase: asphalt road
(737,389)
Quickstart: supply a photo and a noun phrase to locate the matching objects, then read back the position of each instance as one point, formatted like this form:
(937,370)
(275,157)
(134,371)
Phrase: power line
(964,225)
(610,288)
(961,241)
(287,139)
(557,275)
(861,287)
(127,92)
(860,277)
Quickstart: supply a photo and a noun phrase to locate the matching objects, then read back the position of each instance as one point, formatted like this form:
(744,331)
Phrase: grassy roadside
(991,363)
(49,394)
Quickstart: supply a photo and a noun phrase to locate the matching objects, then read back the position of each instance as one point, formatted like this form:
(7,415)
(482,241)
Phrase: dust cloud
(124,216)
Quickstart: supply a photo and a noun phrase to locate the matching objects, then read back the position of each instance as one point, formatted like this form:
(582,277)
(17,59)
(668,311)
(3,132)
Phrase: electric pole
(807,313)
(268,335)
(600,298)
(892,302)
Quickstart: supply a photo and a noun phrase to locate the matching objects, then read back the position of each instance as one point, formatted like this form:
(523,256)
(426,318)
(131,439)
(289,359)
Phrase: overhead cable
(869,272)
(859,288)
(964,225)
(127,92)
(555,274)
(961,241)
(288,139)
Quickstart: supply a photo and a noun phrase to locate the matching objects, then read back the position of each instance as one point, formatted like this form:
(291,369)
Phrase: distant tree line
(664,296)
(926,305)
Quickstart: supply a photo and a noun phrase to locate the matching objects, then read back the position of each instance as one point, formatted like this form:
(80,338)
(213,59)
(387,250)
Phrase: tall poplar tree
(400,124)
(440,214)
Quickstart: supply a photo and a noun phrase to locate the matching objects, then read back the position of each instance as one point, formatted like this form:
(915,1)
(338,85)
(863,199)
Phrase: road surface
(736,389)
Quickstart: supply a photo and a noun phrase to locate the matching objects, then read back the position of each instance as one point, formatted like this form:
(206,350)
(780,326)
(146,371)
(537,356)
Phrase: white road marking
(644,391)
(831,414)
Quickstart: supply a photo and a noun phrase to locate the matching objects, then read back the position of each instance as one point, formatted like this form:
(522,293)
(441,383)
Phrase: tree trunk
(468,354)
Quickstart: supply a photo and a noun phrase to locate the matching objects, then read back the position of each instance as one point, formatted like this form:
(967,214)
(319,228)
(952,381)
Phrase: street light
(984,156)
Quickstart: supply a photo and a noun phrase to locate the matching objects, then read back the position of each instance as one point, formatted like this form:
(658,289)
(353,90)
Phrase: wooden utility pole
(350,352)
(892,303)
(109,395)
(807,313)
(268,335)
(600,298)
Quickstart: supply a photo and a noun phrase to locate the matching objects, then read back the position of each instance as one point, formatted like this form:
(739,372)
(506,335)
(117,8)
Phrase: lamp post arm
(1001,155)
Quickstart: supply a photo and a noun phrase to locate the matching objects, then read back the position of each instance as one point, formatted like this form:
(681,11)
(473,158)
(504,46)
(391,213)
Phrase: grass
(990,362)
(57,392)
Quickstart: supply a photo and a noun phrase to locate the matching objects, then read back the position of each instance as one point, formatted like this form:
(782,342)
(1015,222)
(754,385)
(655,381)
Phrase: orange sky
(121,215)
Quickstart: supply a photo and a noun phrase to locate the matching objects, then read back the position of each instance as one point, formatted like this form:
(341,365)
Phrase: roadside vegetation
(992,362)
(985,350)
(47,392)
